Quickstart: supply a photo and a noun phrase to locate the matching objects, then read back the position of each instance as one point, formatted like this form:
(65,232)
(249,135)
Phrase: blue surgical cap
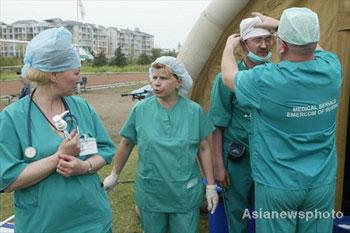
(299,26)
(25,69)
(51,51)
(178,68)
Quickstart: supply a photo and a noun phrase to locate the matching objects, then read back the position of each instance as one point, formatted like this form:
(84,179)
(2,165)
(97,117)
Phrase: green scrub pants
(158,222)
(238,196)
(294,211)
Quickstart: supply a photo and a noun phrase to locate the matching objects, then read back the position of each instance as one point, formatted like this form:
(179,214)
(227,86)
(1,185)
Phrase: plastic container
(341,225)
(7,228)
(218,221)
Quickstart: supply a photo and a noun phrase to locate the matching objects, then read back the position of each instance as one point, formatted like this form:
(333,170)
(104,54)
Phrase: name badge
(88,146)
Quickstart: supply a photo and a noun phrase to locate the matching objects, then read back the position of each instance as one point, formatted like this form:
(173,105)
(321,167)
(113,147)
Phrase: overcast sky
(168,20)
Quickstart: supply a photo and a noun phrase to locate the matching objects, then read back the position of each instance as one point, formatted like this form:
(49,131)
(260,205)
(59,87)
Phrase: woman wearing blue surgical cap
(50,159)
(170,132)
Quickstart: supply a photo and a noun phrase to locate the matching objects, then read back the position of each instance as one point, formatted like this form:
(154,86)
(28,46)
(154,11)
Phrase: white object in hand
(61,124)
(110,181)
(212,198)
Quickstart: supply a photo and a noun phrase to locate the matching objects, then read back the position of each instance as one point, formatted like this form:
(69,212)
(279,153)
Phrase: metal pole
(77,10)
(7,220)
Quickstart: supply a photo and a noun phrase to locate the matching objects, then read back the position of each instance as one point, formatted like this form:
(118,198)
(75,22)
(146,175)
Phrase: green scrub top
(294,107)
(168,177)
(55,204)
(225,113)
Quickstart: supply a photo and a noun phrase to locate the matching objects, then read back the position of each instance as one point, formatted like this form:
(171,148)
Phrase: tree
(144,59)
(100,60)
(156,52)
(172,53)
(119,58)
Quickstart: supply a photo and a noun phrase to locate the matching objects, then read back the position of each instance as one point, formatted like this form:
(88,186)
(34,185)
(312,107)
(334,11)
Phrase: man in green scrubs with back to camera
(232,129)
(293,120)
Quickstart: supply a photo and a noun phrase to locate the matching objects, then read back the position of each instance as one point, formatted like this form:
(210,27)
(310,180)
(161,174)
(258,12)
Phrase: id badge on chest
(88,146)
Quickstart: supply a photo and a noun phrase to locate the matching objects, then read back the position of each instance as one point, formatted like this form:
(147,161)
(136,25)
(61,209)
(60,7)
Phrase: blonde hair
(39,77)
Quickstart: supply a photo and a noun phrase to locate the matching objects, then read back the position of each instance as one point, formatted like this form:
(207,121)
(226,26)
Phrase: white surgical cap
(299,26)
(248,30)
(51,51)
(178,68)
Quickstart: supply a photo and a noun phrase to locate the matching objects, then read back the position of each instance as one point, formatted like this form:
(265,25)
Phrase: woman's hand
(70,146)
(71,166)
(212,198)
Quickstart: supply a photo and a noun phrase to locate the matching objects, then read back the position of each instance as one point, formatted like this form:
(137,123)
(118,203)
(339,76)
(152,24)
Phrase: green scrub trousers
(314,209)
(170,222)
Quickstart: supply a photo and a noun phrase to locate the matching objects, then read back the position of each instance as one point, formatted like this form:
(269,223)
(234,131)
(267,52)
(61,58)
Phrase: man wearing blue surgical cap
(43,160)
(293,120)
(232,122)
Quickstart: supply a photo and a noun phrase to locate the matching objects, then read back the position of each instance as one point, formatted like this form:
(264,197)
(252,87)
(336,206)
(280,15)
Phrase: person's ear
(53,77)
(282,46)
(179,82)
(243,46)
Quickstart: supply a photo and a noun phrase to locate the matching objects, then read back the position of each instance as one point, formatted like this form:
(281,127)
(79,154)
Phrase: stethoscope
(30,151)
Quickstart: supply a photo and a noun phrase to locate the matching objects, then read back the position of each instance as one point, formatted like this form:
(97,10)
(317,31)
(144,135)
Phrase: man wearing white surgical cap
(53,177)
(293,114)
(232,122)
(171,133)
(256,42)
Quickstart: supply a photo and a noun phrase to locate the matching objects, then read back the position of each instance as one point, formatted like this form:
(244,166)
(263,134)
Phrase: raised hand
(267,22)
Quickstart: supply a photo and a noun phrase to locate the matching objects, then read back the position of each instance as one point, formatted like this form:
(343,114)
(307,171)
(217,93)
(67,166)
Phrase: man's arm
(221,175)
(229,66)
(270,23)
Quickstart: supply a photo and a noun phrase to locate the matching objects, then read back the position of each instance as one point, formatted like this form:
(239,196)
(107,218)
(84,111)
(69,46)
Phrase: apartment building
(91,37)
(22,30)
(133,43)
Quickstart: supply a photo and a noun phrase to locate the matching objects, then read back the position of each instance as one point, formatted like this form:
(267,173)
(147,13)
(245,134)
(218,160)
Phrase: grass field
(113,110)
(10,74)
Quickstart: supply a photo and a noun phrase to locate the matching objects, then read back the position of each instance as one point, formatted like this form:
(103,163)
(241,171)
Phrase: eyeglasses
(260,40)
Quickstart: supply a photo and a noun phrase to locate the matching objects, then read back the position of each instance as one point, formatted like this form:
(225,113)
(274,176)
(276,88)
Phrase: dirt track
(13,87)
